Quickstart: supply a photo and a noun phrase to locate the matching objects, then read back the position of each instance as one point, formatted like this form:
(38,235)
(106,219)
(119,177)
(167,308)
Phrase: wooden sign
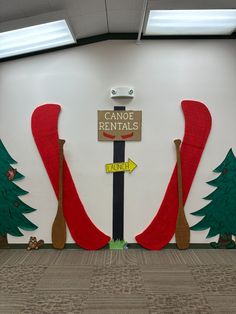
(129,166)
(119,125)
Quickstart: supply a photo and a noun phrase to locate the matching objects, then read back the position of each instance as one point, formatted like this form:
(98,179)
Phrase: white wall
(163,73)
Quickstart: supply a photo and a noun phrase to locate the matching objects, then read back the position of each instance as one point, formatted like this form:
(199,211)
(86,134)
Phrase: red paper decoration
(197,128)
(44,127)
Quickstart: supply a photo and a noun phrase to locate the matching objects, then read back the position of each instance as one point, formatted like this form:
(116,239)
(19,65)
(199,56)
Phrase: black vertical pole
(118,189)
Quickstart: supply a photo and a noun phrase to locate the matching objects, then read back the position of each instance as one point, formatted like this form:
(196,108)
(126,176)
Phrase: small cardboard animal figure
(34,244)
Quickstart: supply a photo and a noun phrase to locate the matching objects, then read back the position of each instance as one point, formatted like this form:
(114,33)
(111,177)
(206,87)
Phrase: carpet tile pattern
(58,278)
(117,280)
(133,281)
(184,303)
(216,280)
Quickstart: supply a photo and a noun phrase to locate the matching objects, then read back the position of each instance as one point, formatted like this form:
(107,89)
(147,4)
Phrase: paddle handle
(182,233)
(59,224)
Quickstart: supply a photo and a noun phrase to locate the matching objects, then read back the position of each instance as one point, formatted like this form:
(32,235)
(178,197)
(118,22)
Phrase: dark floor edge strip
(130,246)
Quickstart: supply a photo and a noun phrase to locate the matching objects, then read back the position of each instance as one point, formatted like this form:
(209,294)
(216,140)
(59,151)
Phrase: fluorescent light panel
(35,38)
(191,22)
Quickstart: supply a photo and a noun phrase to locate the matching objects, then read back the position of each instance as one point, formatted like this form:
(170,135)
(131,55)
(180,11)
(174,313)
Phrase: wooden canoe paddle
(59,224)
(182,233)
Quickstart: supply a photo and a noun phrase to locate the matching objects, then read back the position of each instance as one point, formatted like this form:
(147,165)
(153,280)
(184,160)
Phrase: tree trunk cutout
(3,241)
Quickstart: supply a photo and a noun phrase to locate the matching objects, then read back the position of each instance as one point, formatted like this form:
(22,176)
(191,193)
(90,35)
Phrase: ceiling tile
(91,6)
(31,8)
(89,25)
(124,5)
(125,21)
(59,4)
(79,7)
(10,10)
(124,15)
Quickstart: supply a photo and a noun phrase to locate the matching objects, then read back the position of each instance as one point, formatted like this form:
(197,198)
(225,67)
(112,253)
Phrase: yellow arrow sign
(121,166)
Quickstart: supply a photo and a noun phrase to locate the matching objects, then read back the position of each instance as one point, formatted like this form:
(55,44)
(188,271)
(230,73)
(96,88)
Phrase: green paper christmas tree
(11,207)
(220,213)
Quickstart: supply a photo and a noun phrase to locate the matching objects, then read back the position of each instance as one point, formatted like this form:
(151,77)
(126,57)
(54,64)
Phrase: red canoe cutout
(197,128)
(44,128)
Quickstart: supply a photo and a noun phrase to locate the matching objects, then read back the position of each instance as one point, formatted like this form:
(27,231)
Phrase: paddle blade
(59,231)
(182,233)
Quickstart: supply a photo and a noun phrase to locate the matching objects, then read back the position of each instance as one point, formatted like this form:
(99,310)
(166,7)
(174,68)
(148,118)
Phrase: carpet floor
(133,281)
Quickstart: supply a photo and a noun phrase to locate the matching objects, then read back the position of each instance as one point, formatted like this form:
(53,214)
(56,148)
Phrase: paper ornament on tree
(220,213)
(11,207)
